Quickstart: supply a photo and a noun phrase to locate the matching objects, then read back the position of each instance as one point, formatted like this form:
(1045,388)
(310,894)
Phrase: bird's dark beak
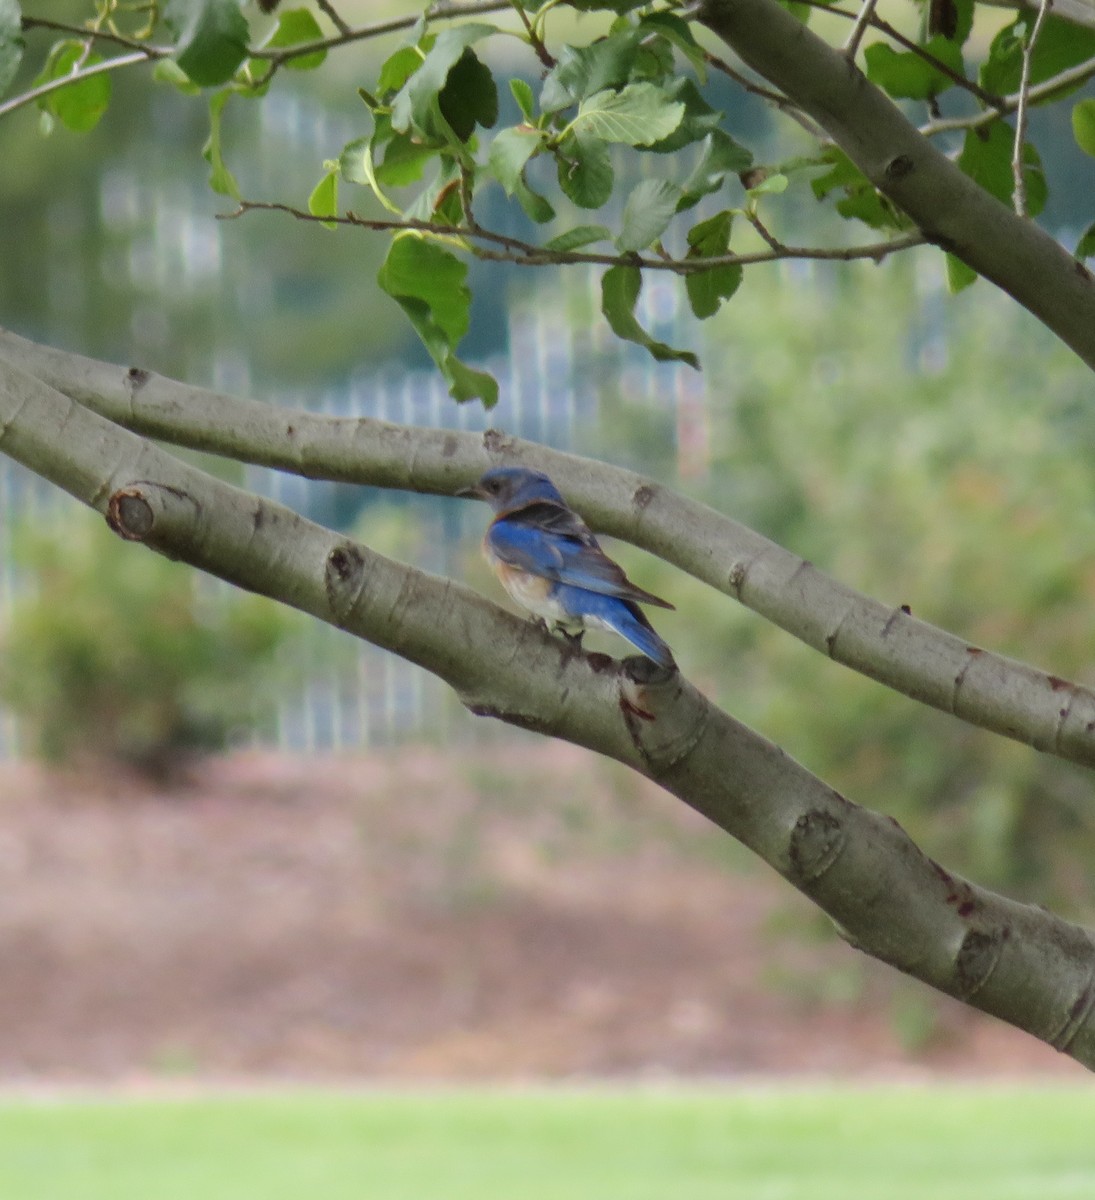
(474,492)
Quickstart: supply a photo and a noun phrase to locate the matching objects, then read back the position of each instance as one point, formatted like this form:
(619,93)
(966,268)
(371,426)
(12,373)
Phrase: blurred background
(235,842)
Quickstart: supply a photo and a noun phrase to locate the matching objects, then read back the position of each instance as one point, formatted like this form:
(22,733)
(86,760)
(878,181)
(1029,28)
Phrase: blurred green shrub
(117,654)
(929,451)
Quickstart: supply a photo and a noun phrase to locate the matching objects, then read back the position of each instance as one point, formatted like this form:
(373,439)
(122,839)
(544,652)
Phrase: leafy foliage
(622,121)
(126,662)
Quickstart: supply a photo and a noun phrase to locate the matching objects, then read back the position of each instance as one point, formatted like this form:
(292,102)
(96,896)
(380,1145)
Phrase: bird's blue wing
(552,541)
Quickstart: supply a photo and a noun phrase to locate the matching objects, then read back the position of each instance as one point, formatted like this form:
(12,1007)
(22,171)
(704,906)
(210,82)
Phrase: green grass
(768,1143)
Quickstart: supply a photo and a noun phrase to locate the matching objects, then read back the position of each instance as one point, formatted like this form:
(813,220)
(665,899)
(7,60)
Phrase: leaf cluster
(620,124)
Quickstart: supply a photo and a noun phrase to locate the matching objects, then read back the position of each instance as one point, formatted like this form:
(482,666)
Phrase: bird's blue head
(508,488)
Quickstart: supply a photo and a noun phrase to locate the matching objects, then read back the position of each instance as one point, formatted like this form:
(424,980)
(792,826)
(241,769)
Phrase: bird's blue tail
(625,617)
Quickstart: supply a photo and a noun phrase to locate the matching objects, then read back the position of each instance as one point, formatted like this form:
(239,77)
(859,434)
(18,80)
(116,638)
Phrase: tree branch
(53,85)
(528,254)
(882,641)
(1015,961)
(950,209)
(1074,76)
(1018,166)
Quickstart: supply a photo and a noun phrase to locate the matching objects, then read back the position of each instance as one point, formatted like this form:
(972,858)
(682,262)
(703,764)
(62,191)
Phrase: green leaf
(584,70)
(469,97)
(637,115)
(522,93)
(414,106)
(721,156)
(429,285)
(168,71)
(398,68)
(1083,125)
(580,235)
(1085,247)
(351,162)
(620,288)
(509,152)
(698,121)
(220,178)
(862,200)
(296,26)
(585,170)
(905,75)
(678,32)
(649,209)
(710,238)
(708,289)
(404,161)
(536,207)
(210,38)
(323,202)
(1060,45)
(986,158)
(79,106)
(11,42)
(959,275)
(774,184)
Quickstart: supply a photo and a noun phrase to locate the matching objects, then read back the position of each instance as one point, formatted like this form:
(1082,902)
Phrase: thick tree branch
(950,208)
(879,640)
(889,899)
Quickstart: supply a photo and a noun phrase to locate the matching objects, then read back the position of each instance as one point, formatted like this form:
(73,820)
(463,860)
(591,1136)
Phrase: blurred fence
(549,385)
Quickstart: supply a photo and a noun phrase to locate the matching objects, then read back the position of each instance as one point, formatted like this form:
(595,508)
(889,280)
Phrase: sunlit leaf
(220,178)
(649,209)
(637,115)
(295,27)
(522,93)
(1083,125)
(79,105)
(959,275)
(323,202)
(1085,247)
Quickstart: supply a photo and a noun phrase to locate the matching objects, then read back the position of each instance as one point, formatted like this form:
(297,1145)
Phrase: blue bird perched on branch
(548,560)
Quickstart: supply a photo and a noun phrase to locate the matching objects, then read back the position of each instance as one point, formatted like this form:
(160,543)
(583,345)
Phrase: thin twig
(876,22)
(110,64)
(99,35)
(446,10)
(535,41)
(333,15)
(776,99)
(522,253)
(1074,76)
(1018,172)
(851,46)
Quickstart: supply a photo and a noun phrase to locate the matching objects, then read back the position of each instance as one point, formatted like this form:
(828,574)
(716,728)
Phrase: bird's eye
(492,486)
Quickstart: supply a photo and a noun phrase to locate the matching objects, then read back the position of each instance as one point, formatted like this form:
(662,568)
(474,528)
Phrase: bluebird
(548,560)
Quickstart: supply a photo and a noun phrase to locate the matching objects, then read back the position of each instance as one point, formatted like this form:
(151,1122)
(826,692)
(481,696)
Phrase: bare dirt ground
(420,915)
